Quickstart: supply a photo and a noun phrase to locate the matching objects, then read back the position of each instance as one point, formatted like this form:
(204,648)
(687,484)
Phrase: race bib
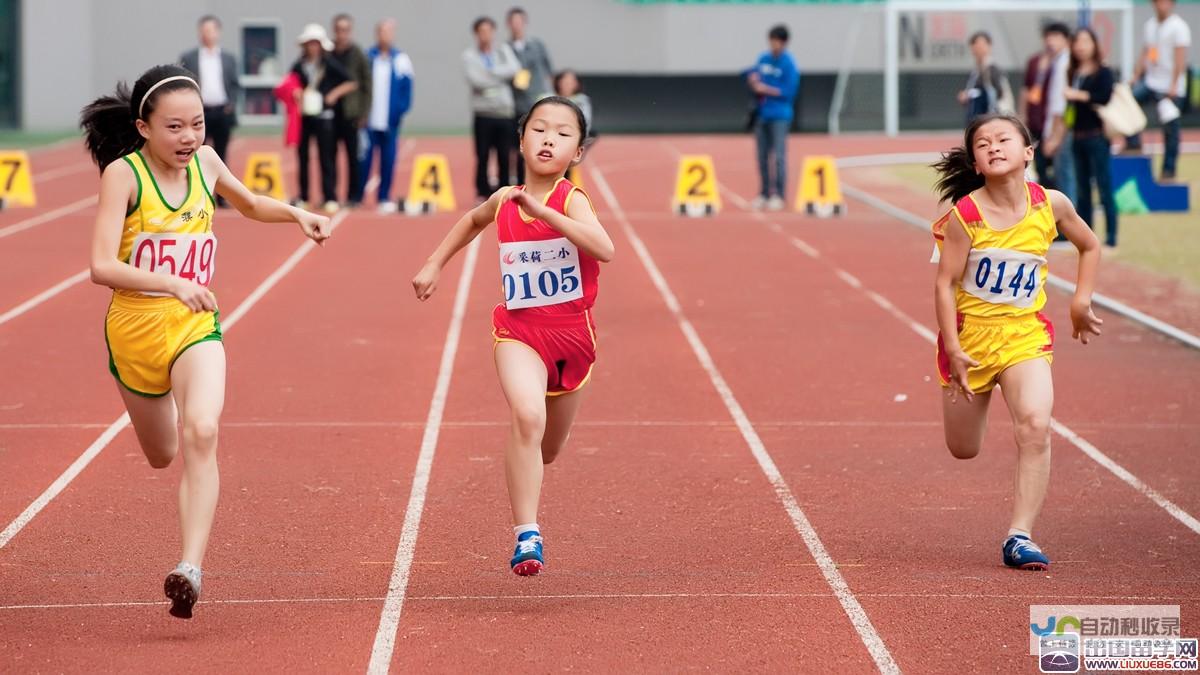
(1002,276)
(188,256)
(540,273)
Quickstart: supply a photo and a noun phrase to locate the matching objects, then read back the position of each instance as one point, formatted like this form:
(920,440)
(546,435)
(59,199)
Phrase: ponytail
(110,122)
(957,175)
(108,126)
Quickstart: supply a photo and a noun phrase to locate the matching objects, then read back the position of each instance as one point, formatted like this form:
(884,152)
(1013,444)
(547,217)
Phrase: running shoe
(1022,553)
(183,588)
(527,558)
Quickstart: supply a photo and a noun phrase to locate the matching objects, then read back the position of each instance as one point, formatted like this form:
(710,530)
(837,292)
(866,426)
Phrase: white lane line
(48,216)
(858,616)
(59,172)
(44,296)
(1061,429)
(1111,304)
(389,619)
(121,422)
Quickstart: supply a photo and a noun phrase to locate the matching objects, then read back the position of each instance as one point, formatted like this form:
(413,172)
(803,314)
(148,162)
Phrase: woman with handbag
(1091,86)
(323,83)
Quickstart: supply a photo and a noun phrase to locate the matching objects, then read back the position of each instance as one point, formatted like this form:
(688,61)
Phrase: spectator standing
(391,97)
(490,69)
(987,89)
(1091,85)
(774,80)
(1161,77)
(323,83)
(1057,137)
(1034,94)
(216,71)
(350,116)
(532,81)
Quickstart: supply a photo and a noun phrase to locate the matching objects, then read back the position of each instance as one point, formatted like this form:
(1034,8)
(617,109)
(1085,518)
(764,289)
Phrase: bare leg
(154,421)
(1029,391)
(523,380)
(198,379)
(965,422)
(560,417)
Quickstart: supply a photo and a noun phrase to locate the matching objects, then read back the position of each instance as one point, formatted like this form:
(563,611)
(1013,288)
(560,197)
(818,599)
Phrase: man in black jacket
(216,72)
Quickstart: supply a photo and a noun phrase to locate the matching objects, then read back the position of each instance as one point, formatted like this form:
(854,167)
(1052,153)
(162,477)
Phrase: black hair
(778,32)
(1097,56)
(1057,27)
(563,73)
(515,10)
(980,35)
(958,177)
(342,17)
(480,21)
(557,100)
(109,123)
(208,17)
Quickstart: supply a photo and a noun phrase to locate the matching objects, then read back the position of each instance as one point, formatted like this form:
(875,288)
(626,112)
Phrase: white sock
(1013,530)
(527,527)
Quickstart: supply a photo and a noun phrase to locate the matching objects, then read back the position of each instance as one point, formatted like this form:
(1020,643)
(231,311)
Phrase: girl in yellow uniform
(153,244)
(988,296)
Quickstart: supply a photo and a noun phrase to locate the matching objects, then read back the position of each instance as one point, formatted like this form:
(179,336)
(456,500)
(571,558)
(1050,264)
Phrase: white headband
(160,83)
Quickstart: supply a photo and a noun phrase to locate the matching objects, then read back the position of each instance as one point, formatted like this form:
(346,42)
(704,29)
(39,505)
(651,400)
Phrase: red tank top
(513,226)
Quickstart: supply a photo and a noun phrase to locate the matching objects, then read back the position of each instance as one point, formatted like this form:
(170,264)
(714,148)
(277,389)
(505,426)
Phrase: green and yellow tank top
(166,239)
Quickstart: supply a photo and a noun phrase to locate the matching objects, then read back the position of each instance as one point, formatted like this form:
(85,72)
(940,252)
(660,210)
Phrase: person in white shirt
(1161,77)
(391,97)
(216,71)
(1056,137)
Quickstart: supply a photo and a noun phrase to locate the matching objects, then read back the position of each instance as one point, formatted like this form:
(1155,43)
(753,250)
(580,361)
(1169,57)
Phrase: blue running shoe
(1022,553)
(527,558)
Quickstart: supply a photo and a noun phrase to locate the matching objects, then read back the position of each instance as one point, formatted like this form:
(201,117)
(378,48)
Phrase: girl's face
(999,149)
(568,84)
(175,129)
(313,50)
(552,141)
(1083,48)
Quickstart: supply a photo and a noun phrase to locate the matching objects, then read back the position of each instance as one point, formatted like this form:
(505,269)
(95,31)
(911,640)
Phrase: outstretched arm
(259,207)
(466,229)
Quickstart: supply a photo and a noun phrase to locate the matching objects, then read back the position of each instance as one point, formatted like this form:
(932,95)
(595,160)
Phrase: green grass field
(1166,243)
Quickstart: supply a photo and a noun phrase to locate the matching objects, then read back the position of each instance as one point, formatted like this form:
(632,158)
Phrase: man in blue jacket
(774,80)
(391,96)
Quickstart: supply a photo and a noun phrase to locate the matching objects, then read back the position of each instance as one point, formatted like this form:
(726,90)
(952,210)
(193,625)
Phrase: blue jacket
(402,82)
(782,74)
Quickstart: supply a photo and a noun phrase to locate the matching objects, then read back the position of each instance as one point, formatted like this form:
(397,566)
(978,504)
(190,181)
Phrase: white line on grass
(858,616)
(389,618)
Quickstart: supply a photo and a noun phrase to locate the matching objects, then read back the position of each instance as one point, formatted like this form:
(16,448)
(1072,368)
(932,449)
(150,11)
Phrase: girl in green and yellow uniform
(153,244)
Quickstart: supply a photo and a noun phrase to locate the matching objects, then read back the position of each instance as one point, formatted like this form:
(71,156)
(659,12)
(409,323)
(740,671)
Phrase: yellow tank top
(1006,269)
(167,239)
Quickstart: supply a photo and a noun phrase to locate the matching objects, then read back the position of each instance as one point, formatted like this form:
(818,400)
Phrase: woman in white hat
(324,82)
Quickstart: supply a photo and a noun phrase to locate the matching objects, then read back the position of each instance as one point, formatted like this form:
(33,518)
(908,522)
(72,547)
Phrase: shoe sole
(183,598)
(1035,567)
(528,568)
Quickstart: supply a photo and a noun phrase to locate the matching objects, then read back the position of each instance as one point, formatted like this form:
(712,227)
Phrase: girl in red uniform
(551,244)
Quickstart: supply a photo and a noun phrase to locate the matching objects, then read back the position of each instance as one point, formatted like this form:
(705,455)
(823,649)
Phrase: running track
(786,505)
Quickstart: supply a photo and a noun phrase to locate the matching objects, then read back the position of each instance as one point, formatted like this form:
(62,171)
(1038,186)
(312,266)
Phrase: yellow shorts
(146,335)
(997,344)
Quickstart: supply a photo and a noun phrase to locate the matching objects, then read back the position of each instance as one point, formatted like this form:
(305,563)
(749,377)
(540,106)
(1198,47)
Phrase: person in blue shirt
(391,97)
(774,80)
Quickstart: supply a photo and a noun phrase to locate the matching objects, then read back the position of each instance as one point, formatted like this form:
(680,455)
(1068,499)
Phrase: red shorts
(566,343)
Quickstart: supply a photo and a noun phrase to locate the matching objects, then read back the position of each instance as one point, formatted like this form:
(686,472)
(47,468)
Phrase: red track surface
(667,547)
